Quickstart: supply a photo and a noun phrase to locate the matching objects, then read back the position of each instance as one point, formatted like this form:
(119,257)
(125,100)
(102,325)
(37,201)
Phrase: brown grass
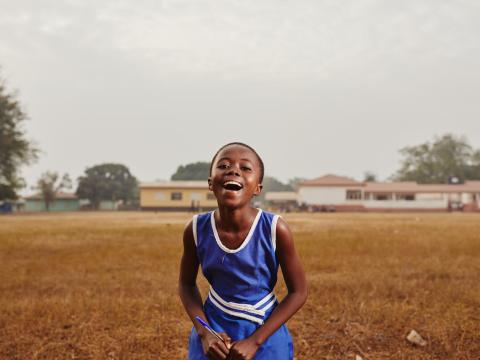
(103,286)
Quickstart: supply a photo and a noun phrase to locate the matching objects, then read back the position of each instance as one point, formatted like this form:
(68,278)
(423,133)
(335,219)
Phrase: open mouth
(232,185)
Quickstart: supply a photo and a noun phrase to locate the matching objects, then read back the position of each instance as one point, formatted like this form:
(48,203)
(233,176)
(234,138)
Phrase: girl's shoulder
(269,214)
(271,217)
(203,217)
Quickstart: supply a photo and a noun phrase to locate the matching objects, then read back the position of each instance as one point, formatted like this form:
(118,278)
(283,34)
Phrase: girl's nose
(233,171)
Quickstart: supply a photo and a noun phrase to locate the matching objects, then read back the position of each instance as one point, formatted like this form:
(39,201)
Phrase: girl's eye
(246,168)
(222,166)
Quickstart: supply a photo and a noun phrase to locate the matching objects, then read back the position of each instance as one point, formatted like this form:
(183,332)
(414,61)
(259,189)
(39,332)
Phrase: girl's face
(235,176)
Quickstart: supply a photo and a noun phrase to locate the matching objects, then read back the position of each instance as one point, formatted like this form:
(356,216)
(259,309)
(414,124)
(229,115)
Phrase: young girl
(240,248)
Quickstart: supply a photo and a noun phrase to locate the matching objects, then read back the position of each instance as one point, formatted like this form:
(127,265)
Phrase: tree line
(437,162)
(103,182)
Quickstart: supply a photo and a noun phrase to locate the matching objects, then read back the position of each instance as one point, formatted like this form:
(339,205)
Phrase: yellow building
(177,196)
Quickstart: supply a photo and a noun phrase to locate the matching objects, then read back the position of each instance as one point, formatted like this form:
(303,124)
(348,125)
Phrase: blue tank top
(241,280)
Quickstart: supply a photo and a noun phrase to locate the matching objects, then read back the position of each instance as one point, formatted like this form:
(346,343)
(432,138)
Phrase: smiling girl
(240,248)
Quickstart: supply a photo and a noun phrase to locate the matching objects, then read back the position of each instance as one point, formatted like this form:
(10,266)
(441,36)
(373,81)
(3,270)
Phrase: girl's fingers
(231,354)
(224,336)
(212,354)
(218,350)
(224,349)
(227,339)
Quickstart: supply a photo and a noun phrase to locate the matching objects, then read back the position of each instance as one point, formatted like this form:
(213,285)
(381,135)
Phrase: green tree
(294,182)
(15,149)
(107,182)
(369,176)
(473,169)
(50,184)
(435,162)
(271,183)
(193,171)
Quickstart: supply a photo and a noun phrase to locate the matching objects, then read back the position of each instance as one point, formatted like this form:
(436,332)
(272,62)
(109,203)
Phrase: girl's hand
(215,349)
(243,349)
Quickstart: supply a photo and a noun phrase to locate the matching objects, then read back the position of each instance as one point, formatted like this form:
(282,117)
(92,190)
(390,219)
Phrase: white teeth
(232,183)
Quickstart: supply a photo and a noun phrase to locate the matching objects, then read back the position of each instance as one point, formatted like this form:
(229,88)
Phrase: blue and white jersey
(242,279)
(241,285)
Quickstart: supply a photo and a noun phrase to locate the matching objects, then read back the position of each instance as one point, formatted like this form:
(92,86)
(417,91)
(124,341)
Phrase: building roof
(398,187)
(175,185)
(413,187)
(60,195)
(331,180)
(281,196)
(404,186)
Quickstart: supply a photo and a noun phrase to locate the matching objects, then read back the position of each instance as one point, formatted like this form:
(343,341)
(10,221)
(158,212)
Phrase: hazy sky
(315,86)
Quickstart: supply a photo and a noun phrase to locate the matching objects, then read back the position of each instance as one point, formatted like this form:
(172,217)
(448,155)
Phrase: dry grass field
(103,286)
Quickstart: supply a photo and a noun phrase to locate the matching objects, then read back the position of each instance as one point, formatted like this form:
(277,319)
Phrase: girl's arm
(192,300)
(297,294)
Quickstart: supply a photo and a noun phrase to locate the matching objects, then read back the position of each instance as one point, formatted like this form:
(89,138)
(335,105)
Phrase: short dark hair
(260,161)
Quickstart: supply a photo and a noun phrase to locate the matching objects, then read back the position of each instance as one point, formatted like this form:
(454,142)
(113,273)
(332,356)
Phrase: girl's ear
(210,184)
(258,190)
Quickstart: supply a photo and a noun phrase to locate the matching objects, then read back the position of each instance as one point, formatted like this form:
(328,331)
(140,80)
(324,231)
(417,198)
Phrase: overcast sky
(315,86)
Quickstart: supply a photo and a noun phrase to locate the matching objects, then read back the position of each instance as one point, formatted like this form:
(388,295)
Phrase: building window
(354,195)
(195,196)
(409,197)
(159,195)
(382,197)
(211,196)
(176,196)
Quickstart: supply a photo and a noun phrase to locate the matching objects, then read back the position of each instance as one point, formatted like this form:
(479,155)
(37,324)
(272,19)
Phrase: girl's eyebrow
(227,158)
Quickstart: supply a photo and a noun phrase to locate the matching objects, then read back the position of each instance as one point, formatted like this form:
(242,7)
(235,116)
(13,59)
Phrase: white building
(337,193)
(281,200)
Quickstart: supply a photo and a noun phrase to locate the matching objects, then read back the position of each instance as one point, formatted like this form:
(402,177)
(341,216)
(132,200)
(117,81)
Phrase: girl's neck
(236,219)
